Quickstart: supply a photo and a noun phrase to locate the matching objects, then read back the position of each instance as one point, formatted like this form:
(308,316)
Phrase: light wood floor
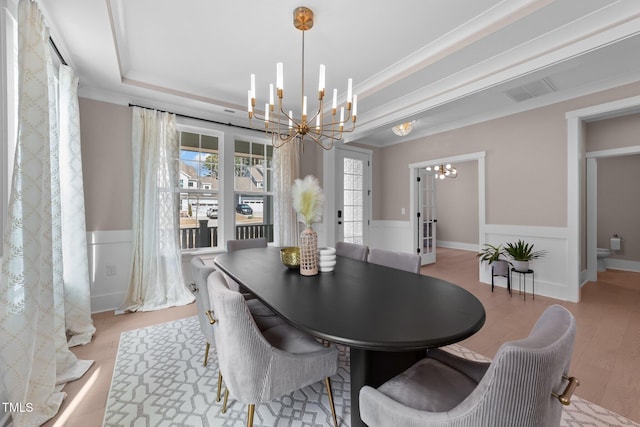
(606,356)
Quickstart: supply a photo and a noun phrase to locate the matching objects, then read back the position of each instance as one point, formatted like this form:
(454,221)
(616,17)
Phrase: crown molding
(572,40)
(492,20)
(528,105)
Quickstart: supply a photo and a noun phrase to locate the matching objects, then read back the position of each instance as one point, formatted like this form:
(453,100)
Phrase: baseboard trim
(622,264)
(471,247)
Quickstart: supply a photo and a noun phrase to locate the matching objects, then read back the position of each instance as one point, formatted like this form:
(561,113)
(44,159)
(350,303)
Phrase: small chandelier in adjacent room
(403,129)
(443,171)
(324,131)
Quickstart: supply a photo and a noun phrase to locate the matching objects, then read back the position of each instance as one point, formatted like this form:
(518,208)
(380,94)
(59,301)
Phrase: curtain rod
(197,118)
(57,51)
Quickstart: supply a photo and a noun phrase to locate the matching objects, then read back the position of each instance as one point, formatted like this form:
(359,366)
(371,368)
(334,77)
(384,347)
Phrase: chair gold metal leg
(327,382)
(252,409)
(206,354)
(226,398)
(219,386)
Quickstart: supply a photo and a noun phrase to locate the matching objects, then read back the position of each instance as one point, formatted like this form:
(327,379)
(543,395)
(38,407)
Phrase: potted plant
(521,253)
(491,253)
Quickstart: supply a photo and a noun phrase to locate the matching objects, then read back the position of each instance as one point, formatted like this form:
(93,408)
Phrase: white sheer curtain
(156,273)
(286,168)
(35,360)
(74,231)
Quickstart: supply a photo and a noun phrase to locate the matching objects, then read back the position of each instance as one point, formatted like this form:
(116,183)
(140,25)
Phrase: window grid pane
(253,167)
(198,187)
(353,201)
(253,177)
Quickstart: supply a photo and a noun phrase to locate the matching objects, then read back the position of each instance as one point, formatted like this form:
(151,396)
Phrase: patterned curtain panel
(156,273)
(74,231)
(286,169)
(34,356)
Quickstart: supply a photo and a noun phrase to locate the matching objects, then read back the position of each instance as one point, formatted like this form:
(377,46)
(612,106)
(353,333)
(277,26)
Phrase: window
(253,186)
(199,185)
(225,186)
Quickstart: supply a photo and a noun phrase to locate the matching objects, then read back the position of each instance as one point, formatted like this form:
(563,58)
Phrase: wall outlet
(402,211)
(111,270)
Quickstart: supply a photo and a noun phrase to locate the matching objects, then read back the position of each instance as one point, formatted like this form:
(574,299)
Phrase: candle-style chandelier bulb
(443,171)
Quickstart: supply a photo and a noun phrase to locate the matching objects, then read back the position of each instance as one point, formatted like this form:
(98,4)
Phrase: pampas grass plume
(308,199)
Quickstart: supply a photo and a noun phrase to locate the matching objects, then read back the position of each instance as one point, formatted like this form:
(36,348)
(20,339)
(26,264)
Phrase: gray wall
(457,205)
(105,132)
(107,164)
(526,179)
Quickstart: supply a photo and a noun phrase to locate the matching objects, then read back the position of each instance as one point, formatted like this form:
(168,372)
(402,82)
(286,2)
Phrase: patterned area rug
(159,380)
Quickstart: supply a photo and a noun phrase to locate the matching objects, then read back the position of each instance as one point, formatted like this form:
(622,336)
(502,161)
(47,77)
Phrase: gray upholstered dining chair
(400,260)
(259,366)
(201,267)
(239,244)
(520,387)
(352,250)
(257,308)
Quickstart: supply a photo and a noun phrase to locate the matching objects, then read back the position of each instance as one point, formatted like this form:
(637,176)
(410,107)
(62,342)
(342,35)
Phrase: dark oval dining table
(387,317)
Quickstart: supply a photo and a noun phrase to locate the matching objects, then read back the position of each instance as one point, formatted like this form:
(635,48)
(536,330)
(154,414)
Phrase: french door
(353,192)
(426,216)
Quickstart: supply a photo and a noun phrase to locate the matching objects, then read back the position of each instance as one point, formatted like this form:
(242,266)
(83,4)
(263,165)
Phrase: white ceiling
(441,63)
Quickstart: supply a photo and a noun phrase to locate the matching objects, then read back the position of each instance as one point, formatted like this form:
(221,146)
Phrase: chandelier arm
(347,119)
(319,111)
(287,116)
(282,140)
(318,141)
(331,136)
(330,126)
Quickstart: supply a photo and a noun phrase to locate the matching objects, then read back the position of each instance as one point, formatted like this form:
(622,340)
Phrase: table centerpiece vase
(307,202)
(308,252)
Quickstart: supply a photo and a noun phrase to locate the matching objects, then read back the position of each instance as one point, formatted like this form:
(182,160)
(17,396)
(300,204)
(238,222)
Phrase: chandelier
(443,171)
(403,129)
(283,126)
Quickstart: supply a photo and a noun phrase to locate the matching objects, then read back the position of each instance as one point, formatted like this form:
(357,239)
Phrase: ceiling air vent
(531,90)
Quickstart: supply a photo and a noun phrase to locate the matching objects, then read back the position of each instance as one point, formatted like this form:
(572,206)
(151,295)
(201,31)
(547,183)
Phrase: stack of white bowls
(326,259)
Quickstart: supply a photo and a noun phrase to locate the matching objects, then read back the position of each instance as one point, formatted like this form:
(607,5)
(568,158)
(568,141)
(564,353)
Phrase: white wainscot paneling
(551,271)
(109,267)
(391,235)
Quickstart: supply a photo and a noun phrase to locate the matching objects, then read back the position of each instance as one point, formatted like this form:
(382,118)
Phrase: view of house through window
(199,185)
(202,196)
(253,175)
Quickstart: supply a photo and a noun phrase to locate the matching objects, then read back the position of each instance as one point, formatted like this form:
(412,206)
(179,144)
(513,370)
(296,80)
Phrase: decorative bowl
(327,264)
(290,256)
(326,258)
(327,251)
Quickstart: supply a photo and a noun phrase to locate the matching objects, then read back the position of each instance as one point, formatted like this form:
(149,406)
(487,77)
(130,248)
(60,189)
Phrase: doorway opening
(347,177)
(423,210)
(576,175)
(592,202)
